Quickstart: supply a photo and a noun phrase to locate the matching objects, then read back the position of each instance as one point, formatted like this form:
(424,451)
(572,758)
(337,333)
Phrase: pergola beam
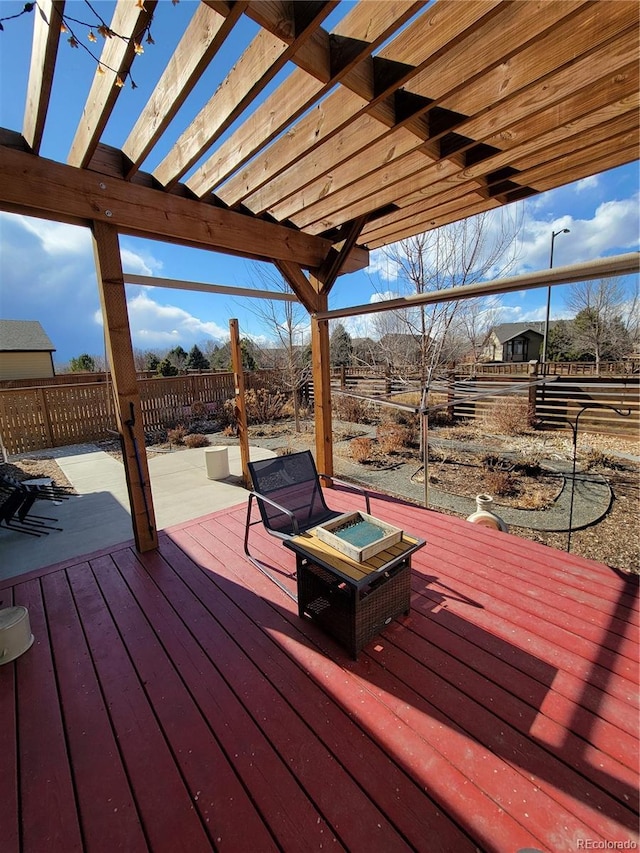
(37,187)
(203,287)
(201,41)
(628,264)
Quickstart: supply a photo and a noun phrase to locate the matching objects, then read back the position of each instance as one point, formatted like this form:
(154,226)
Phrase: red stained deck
(175,701)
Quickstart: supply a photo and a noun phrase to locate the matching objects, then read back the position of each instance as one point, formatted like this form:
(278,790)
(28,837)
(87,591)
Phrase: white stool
(216,460)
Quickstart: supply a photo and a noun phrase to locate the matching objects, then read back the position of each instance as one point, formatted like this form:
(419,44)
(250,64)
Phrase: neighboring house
(26,351)
(514,342)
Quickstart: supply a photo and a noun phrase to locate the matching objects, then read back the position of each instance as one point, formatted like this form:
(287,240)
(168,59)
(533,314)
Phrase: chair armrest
(355,488)
(294,520)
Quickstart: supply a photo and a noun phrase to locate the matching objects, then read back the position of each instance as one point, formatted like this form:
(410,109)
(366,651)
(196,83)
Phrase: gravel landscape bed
(614,540)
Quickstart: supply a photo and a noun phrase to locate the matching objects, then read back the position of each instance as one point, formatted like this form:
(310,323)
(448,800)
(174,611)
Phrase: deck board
(188,707)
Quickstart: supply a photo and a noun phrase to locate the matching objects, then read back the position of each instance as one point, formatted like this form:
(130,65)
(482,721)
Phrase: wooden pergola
(401,118)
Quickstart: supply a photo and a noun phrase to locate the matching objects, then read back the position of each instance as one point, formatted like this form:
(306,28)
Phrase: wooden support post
(125,386)
(533,390)
(451,395)
(240,411)
(321,367)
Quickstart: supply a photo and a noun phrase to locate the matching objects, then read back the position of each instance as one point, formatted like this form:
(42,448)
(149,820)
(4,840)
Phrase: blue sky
(47,270)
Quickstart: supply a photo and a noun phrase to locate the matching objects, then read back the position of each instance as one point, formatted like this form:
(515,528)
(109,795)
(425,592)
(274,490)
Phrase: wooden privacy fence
(556,404)
(60,415)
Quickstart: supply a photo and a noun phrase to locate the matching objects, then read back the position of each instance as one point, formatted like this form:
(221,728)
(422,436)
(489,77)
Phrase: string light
(98,26)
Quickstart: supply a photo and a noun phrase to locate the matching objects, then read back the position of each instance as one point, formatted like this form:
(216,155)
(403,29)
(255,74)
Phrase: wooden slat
(254,70)
(106,805)
(44,50)
(481,48)
(523,74)
(367,25)
(129,19)
(165,807)
(424,190)
(45,773)
(201,41)
(499,127)
(435,28)
(411,184)
(225,810)
(9,781)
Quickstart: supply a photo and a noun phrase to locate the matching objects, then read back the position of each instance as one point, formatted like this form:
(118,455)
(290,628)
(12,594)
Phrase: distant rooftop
(24,336)
(505,331)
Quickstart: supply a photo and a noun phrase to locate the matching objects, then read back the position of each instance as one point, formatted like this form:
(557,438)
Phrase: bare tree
(288,321)
(475,319)
(467,252)
(605,322)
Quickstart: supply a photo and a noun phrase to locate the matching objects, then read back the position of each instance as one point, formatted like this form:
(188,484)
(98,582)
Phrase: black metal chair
(289,495)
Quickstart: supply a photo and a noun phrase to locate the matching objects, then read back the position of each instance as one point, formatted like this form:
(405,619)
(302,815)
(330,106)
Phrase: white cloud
(589,183)
(156,325)
(58,239)
(613,226)
(383,296)
(382,266)
(137,264)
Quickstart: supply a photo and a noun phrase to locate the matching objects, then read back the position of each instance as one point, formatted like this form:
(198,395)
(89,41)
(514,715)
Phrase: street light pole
(554,234)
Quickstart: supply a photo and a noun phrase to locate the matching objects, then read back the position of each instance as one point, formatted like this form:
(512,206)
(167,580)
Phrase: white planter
(485,517)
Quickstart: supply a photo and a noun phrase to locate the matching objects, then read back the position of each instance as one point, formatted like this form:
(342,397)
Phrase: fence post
(533,390)
(343,377)
(451,394)
(46,419)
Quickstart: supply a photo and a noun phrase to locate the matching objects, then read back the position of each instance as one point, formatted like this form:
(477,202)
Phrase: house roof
(338,128)
(505,331)
(24,336)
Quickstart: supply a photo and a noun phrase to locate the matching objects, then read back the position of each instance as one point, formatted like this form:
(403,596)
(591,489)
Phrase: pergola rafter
(394,118)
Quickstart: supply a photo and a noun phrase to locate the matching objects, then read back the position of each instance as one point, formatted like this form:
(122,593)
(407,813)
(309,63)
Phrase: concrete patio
(100,516)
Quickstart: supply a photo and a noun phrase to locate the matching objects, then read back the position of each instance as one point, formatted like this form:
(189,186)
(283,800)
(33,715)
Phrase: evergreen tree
(340,346)
(248,351)
(83,363)
(196,359)
(178,357)
(166,368)
(560,341)
(151,361)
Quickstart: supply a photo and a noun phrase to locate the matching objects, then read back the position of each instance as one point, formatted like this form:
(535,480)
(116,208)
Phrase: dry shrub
(196,439)
(288,410)
(507,416)
(261,406)
(441,418)
(199,409)
(361,449)
(393,438)
(229,431)
(594,458)
(500,483)
(351,409)
(177,435)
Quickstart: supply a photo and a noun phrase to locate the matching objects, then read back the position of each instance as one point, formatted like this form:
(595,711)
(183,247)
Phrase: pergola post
(125,385)
(321,371)
(240,410)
